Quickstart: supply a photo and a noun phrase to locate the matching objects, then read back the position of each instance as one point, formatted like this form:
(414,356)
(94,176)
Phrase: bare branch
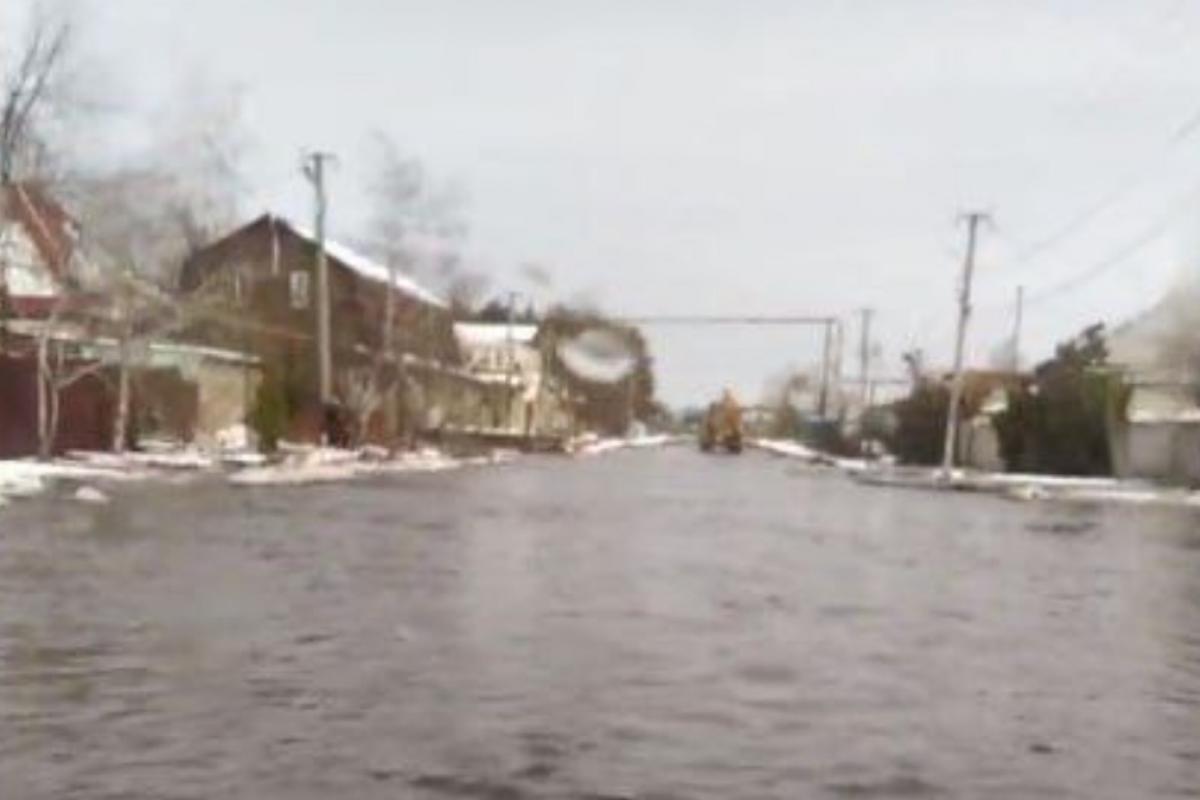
(26,91)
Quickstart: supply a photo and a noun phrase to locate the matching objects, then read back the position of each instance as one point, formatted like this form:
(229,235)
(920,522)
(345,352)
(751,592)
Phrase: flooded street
(642,625)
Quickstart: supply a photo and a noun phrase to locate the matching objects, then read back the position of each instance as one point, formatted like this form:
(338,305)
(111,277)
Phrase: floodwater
(642,625)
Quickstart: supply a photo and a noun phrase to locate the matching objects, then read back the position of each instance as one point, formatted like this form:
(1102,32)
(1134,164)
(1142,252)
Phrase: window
(298,288)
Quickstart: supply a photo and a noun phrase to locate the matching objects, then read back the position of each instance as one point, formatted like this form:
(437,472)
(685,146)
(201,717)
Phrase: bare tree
(416,229)
(29,85)
(131,240)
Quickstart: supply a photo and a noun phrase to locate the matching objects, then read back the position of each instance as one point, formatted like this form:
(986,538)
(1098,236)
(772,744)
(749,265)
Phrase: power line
(1114,259)
(1131,181)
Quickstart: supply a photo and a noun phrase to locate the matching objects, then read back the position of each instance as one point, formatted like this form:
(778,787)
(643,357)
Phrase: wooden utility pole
(826,368)
(314,170)
(864,356)
(1016,339)
(964,312)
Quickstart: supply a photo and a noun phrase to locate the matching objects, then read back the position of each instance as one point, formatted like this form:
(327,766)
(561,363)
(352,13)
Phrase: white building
(524,401)
(1155,433)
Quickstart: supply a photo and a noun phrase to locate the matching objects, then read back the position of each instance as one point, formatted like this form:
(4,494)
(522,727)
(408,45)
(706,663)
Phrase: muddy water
(643,625)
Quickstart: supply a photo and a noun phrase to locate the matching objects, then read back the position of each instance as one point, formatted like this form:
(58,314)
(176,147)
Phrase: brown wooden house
(261,279)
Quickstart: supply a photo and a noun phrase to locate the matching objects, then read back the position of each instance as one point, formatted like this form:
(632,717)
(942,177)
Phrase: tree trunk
(44,391)
(121,424)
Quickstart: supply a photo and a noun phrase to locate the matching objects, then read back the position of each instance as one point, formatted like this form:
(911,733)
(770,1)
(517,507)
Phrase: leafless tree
(416,229)
(30,84)
(130,241)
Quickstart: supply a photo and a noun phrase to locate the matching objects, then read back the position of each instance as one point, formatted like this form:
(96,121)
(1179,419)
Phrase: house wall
(165,404)
(252,271)
(979,445)
(227,393)
(1166,451)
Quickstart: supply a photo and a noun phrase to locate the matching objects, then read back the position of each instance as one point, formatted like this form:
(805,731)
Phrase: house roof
(493,334)
(51,229)
(365,266)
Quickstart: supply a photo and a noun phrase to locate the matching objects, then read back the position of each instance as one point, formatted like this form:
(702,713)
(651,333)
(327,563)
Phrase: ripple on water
(462,786)
(898,786)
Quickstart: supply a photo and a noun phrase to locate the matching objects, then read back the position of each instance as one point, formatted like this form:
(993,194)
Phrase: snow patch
(791,449)
(306,466)
(91,495)
(593,445)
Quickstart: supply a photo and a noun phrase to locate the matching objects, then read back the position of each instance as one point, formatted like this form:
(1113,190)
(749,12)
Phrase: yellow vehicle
(722,425)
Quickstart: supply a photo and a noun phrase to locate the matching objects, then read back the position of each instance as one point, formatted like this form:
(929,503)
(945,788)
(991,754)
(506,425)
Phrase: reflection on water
(649,625)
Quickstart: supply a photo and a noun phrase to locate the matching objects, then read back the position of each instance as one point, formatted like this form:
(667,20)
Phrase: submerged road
(642,625)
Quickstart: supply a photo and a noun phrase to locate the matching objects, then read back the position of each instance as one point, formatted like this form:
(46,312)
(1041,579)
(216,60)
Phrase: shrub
(270,414)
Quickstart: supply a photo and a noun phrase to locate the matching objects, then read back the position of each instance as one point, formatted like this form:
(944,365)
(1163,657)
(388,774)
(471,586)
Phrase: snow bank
(790,449)
(300,467)
(1128,495)
(1017,486)
(25,478)
(186,459)
(592,445)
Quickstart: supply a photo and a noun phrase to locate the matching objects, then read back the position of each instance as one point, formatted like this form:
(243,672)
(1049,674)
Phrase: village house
(523,399)
(39,271)
(1155,432)
(261,280)
(39,254)
(49,299)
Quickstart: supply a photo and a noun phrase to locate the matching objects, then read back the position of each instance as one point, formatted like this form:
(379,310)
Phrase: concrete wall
(1165,451)
(979,445)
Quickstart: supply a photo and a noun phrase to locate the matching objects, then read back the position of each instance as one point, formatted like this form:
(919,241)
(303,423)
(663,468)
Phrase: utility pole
(1016,342)
(864,356)
(826,367)
(964,312)
(314,170)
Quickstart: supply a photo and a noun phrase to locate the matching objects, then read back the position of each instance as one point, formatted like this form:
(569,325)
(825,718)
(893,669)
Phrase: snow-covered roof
(367,267)
(494,334)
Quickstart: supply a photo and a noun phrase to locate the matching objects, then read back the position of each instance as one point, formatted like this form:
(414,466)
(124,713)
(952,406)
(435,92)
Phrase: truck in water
(722,425)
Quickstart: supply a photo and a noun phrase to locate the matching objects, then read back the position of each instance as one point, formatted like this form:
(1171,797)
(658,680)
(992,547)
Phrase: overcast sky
(720,156)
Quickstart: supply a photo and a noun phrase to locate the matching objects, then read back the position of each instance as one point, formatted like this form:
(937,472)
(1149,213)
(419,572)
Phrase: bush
(270,415)
(1057,423)
(920,432)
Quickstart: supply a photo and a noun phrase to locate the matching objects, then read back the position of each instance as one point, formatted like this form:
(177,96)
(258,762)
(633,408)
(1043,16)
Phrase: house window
(298,288)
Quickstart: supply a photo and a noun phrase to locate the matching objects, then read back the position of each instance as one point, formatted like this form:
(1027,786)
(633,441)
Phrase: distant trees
(1055,419)
(920,426)
(498,310)
(417,226)
(416,229)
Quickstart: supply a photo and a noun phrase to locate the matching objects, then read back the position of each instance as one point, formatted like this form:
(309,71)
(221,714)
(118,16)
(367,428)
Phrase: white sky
(717,156)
